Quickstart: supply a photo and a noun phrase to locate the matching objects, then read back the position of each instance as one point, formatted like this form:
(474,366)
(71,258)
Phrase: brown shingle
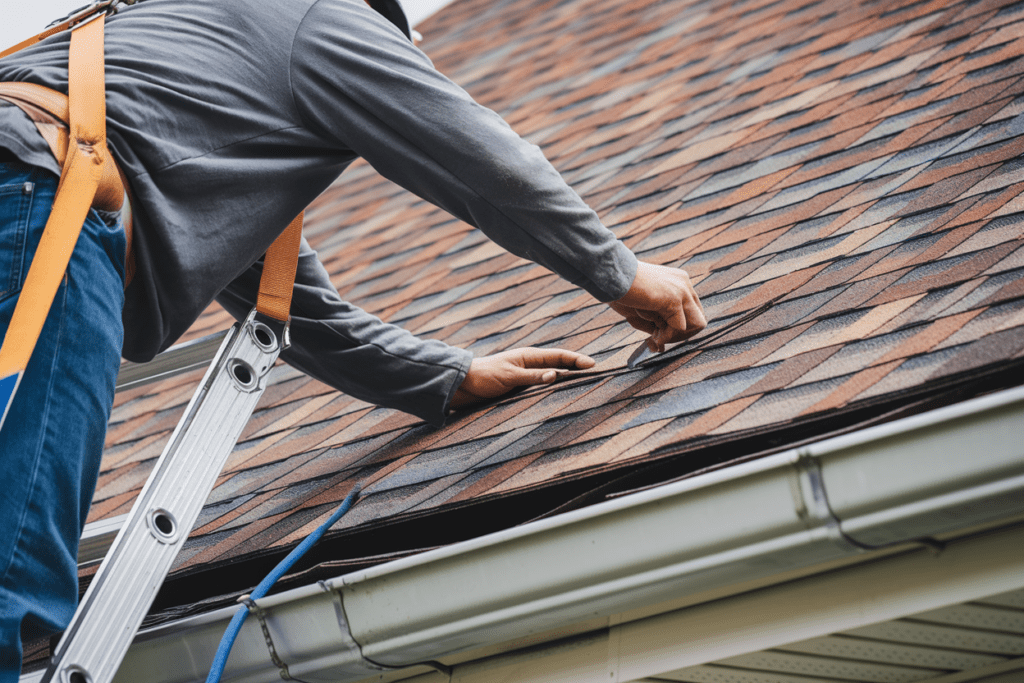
(855,165)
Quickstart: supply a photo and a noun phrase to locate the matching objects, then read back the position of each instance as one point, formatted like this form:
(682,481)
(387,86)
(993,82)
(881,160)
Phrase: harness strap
(278,279)
(64,25)
(48,109)
(80,177)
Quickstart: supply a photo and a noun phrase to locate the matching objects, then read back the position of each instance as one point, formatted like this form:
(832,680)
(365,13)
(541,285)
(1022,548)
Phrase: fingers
(662,303)
(634,320)
(526,378)
(540,366)
(532,358)
(495,375)
(695,313)
(675,327)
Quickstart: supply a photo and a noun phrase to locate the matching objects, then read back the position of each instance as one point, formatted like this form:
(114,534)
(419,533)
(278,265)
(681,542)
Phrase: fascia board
(898,482)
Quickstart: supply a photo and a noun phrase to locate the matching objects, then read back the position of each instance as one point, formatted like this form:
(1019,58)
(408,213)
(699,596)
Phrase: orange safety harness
(74,126)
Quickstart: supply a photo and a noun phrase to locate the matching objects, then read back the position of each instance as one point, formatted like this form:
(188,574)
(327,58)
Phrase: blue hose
(228,640)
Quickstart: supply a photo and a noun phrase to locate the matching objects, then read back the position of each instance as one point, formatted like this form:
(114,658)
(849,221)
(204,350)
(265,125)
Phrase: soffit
(971,641)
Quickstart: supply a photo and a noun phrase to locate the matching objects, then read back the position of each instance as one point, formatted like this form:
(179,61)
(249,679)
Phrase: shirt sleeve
(353,351)
(358,81)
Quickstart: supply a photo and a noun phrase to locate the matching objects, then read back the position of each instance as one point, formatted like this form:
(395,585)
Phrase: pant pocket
(15,207)
(26,196)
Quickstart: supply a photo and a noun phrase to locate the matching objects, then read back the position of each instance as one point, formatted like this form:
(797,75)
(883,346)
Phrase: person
(227,119)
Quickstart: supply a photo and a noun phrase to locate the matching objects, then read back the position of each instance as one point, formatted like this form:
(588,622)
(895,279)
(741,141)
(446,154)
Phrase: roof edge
(842,498)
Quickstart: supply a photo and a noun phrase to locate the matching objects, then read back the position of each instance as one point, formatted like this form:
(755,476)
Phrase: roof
(843,185)
(892,537)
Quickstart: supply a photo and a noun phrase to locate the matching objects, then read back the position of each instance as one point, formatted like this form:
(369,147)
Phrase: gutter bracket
(813,508)
(260,615)
(346,632)
(811,501)
(339,609)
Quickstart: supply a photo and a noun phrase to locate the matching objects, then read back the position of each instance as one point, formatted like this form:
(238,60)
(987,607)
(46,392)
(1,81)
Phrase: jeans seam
(16,547)
(22,269)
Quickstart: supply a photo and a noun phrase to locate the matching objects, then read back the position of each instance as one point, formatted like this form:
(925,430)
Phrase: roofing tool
(643,352)
(127,582)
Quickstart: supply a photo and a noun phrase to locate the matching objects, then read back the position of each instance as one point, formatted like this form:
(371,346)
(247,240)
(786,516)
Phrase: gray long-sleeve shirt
(229,117)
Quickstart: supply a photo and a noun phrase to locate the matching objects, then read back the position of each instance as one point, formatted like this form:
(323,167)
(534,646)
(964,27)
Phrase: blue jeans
(52,440)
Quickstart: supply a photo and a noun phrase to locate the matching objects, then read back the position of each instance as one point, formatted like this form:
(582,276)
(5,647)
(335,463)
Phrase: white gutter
(929,475)
(176,360)
(97,538)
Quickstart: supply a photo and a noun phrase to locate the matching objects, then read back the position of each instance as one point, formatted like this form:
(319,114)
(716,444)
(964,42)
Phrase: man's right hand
(662,303)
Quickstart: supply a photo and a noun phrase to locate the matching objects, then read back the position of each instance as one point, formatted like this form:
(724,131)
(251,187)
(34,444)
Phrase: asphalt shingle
(853,170)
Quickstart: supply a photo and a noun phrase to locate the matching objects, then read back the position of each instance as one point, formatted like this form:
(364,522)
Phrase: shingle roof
(842,181)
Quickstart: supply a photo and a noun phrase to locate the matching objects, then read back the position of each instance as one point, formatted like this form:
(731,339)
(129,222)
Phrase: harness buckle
(83,13)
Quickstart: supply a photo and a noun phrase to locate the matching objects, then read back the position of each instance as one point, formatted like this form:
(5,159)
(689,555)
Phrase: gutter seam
(811,501)
(351,643)
(818,511)
(339,608)
(260,615)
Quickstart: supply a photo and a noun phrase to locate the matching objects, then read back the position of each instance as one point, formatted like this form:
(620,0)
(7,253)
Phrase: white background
(25,18)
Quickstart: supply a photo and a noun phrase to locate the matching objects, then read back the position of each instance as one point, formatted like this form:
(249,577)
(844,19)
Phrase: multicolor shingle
(851,171)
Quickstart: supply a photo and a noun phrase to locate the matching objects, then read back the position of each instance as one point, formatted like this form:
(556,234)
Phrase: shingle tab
(853,169)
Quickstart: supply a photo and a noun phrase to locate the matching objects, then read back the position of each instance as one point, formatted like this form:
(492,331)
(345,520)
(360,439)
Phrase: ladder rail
(124,588)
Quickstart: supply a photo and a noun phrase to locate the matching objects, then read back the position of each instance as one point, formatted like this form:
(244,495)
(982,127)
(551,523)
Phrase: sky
(25,19)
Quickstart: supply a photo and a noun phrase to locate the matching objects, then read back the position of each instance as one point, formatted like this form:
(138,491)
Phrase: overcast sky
(25,19)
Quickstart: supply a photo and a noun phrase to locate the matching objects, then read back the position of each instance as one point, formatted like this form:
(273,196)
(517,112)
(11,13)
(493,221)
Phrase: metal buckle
(83,13)
(115,5)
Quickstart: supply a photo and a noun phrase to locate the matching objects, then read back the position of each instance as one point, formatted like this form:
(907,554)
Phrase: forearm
(355,352)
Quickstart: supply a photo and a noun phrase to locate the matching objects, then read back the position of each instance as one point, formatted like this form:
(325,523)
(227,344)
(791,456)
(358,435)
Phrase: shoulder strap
(278,277)
(72,19)
(83,166)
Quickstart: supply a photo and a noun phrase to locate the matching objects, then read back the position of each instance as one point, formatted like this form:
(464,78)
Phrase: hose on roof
(220,659)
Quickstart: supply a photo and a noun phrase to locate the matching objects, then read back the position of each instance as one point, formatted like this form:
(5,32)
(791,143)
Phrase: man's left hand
(493,376)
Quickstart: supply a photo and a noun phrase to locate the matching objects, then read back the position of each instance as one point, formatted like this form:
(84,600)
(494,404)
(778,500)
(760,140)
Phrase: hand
(662,303)
(492,376)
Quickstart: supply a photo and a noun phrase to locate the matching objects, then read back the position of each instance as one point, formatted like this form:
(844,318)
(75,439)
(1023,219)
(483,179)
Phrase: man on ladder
(225,119)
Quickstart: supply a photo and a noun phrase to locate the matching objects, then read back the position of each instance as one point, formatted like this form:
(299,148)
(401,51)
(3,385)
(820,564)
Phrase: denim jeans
(52,440)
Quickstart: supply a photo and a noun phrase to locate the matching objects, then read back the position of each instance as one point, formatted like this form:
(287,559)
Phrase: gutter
(905,482)
(176,360)
(97,537)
